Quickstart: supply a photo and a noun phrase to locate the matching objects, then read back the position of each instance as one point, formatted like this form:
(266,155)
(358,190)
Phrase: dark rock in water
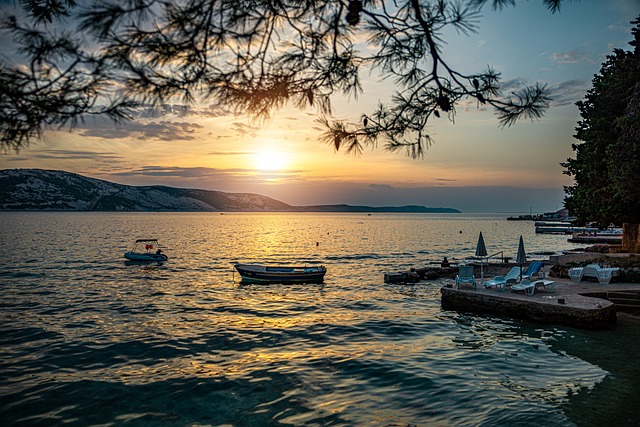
(402,277)
(544,253)
(414,275)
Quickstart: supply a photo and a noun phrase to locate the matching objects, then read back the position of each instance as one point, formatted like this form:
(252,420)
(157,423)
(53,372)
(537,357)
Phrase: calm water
(86,339)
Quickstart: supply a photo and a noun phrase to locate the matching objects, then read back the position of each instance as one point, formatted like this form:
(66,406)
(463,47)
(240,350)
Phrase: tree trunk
(631,237)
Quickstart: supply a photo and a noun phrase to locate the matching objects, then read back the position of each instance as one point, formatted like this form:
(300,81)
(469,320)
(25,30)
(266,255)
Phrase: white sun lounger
(603,274)
(530,287)
(606,274)
(500,282)
(575,273)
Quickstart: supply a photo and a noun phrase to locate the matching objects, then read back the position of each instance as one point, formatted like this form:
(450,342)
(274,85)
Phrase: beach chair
(500,282)
(602,274)
(465,275)
(533,270)
(605,274)
(590,270)
(547,285)
(513,276)
(575,274)
(526,286)
(529,287)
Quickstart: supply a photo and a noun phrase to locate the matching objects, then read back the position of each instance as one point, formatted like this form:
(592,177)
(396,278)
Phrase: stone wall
(581,312)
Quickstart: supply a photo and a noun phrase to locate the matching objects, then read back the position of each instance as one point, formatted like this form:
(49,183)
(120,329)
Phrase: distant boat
(567,229)
(559,216)
(259,273)
(524,218)
(137,253)
(612,236)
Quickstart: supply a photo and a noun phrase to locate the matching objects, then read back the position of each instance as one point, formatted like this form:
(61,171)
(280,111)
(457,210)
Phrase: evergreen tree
(249,56)
(606,167)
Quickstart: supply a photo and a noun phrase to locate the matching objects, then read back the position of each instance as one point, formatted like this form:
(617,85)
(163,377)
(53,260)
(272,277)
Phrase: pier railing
(501,253)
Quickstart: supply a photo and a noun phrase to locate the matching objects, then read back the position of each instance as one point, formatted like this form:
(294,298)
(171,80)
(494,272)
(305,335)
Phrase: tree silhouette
(251,56)
(605,167)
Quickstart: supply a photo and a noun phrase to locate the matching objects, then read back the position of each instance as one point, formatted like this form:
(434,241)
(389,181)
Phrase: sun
(270,160)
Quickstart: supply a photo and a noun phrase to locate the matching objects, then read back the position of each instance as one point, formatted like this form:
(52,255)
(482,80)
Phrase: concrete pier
(561,308)
(586,304)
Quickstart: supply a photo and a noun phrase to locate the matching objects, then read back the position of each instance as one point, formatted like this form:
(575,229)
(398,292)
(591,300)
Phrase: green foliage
(250,56)
(605,169)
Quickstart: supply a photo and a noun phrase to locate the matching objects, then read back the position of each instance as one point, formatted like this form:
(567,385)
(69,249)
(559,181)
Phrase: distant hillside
(38,189)
(381,209)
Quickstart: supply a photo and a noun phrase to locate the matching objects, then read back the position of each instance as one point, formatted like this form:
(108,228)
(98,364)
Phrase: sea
(89,339)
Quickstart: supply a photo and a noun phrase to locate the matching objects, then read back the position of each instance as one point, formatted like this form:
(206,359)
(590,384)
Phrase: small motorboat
(259,273)
(151,252)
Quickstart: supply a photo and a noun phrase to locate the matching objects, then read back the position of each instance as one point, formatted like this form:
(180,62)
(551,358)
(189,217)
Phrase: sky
(473,165)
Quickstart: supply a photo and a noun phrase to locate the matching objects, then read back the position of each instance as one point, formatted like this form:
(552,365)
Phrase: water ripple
(87,339)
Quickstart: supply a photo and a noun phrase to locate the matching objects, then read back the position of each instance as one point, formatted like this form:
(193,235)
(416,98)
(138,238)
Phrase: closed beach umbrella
(481,251)
(521,258)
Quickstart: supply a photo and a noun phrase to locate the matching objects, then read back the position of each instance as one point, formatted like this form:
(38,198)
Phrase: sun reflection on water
(187,341)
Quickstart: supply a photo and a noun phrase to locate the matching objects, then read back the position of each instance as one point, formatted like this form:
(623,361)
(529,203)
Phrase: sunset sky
(474,165)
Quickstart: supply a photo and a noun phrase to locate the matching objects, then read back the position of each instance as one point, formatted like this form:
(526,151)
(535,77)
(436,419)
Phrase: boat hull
(256,273)
(137,256)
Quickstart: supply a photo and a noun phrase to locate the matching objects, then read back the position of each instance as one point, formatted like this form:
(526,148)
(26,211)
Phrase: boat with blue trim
(136,253)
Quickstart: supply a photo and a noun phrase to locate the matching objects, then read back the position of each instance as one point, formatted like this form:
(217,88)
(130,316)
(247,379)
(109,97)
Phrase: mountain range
(54,190)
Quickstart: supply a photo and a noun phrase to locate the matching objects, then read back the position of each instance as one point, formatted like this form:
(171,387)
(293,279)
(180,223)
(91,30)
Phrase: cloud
(568,92)
(244,129)
(165,122)
(381,187)
(232,153)
(179,172)
(232,179)
(570,57)
(74,155)
(179,110)
(513,85)
(163,130)
(17,158)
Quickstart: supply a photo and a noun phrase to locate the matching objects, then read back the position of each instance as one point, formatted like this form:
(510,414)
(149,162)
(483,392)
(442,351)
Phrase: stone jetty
(563,306)
(587,305)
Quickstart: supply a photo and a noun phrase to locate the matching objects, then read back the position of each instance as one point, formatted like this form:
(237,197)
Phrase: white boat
(260,273)
(611,236)
(560,229)
(151,252)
